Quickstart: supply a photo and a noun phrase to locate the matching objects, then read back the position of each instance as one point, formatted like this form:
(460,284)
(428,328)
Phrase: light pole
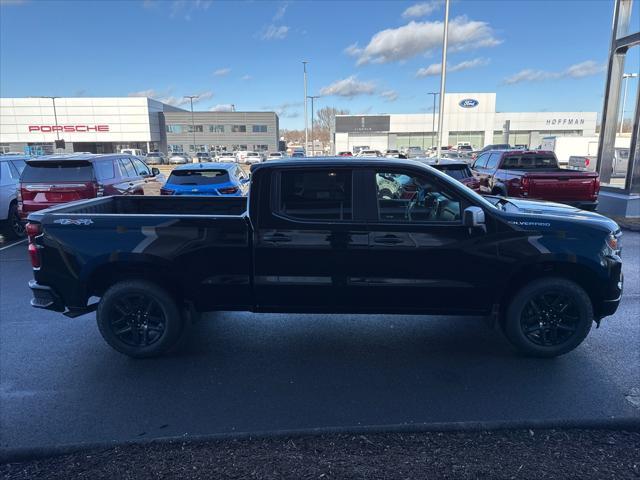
(443,75)
(625,77)
(313,150)
(193,126)
(433,120)
(306,126)
(55,115)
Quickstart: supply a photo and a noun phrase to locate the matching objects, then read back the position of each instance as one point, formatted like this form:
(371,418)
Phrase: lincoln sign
(68,128)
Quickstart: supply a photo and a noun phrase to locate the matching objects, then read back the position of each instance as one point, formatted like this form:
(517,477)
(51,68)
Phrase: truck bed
(151,205)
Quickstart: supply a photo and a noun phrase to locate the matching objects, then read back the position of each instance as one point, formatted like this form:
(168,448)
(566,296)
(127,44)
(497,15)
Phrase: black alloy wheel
(137,320)
(549,319)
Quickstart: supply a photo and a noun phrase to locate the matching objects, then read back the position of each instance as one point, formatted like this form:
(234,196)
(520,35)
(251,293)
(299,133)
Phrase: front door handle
(276,237)
(388,240)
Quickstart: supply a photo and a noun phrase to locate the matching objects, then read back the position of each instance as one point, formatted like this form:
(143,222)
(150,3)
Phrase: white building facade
(468,117)
(97,125)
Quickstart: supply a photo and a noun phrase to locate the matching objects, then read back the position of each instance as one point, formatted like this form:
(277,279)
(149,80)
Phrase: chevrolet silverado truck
(319,235)
(535,175)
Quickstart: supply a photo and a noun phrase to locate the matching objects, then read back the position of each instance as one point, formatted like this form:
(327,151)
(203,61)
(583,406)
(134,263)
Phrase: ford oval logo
(468,103)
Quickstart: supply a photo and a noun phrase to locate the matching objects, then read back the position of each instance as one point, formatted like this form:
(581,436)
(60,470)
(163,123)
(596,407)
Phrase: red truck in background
(535,175)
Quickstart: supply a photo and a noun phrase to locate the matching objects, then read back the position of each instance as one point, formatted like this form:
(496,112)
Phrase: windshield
(198,177)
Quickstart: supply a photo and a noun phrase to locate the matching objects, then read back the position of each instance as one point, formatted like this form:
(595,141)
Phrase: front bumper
(45,297)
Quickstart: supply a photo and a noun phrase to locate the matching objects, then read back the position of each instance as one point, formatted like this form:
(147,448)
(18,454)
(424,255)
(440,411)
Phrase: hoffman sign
(68,128)
(566,121)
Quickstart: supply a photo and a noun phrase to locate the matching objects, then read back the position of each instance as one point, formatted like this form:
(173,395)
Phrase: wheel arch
(575,272)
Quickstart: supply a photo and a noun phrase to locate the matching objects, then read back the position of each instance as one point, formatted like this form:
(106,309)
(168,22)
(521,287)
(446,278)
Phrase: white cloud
(349,87)
(246,77)
(280,12)
(415,38)
(285,110)
(12,2)
(221,72)
(421,9)
(389,95)
(222,107)
(180,8)
(273,32)
(579,70)
(436,68)
(165,96)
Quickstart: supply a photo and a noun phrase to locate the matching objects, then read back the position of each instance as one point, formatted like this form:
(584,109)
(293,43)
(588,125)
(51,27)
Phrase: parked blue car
(213,179)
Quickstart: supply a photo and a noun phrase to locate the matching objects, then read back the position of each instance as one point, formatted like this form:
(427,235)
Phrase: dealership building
(469,117)
(109,124)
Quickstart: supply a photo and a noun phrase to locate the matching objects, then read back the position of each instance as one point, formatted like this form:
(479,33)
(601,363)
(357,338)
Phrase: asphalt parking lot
(239,372)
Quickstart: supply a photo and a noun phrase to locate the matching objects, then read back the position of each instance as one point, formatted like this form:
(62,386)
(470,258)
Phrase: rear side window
(316,195)
(62,171)
(198,177)
(525,162)
(104,170)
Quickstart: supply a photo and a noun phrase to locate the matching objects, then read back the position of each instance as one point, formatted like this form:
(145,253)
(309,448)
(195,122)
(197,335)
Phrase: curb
(15,455)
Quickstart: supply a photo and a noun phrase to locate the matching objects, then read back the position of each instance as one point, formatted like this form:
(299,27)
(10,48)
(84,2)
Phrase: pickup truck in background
(328,235)
(534,175)
(589,162)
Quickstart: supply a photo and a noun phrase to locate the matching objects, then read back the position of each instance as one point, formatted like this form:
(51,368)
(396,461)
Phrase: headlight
(613,242)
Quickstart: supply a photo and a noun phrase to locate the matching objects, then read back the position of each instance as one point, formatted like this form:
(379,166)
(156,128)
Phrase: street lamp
(55,115)
(433,120)
(313,150)
(306,127)
(193,126)
(625,77)
(443,74)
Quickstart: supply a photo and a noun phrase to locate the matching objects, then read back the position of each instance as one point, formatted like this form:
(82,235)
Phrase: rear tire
(139,319)
(548,317)
(13,227)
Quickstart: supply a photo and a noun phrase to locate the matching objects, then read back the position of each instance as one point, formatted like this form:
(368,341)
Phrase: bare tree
(324,122)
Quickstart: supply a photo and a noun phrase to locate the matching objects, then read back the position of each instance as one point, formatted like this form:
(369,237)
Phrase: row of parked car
(31,184)
(181,158)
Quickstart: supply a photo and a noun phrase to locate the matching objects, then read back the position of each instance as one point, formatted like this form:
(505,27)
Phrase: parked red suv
(55,179)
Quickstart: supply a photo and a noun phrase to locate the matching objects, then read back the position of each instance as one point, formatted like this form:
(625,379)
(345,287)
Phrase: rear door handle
(388,240)
(276,237)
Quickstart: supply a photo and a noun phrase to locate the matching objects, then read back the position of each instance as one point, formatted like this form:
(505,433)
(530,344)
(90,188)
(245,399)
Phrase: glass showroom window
(197,148)
(172,128)
(260,148)
(175,148)
(259,128)
(216,128)
(198,128)
(238,128)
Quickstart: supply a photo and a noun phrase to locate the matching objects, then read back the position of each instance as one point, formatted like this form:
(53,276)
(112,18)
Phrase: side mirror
(155,172)
(473,217)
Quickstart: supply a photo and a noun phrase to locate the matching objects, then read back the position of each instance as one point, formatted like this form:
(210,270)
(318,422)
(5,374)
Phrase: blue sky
(365,56)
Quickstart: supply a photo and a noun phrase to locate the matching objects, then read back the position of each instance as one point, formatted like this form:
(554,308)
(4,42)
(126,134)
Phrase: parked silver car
(11,167)
(179,158)
(155,158)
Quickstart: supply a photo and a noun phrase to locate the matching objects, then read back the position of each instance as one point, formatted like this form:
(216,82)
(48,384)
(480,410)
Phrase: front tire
(139,319)
(548,317)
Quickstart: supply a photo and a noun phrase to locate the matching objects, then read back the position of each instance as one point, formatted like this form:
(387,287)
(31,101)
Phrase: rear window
(524,162)
(52,171)
(198,177)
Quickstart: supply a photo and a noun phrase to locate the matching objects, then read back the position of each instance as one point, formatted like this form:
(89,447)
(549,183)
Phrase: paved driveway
(239,372)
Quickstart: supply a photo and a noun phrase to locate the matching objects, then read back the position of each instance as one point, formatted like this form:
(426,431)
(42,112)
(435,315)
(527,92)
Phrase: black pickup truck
(328,235)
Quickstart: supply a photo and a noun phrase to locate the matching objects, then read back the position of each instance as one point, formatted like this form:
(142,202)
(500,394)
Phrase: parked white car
(251,157)
(275,156)
(11,167)
(225,157)
(369,153)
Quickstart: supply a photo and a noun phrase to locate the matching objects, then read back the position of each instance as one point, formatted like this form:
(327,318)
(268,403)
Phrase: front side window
(404,197)
(174,128)
(238,128)
(259,128)
(492,163)
(481,161)
(126,168)
(322,195)
(141,168)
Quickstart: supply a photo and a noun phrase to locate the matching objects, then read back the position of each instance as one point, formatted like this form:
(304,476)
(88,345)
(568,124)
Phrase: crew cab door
(129,182)
(306,239)
(421,258)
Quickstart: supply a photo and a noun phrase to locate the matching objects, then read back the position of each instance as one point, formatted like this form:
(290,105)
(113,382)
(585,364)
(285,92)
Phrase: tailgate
(563,186)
